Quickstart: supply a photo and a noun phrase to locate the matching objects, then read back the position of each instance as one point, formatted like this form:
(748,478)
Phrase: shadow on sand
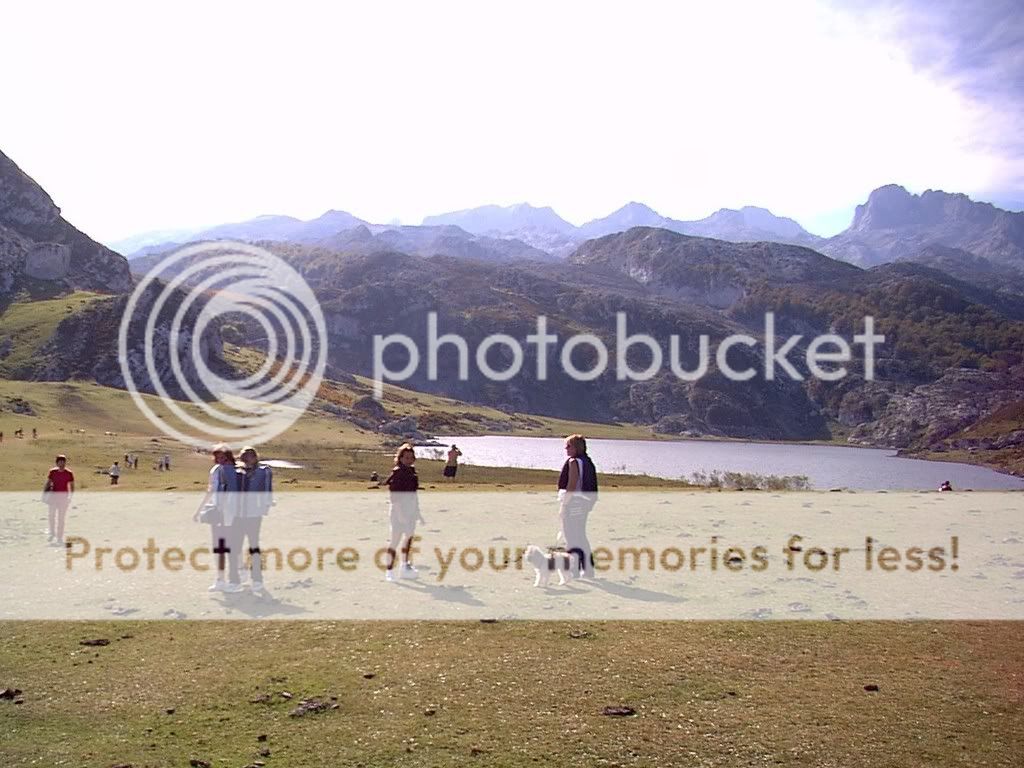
(636,593)
(258,607)
(451,594)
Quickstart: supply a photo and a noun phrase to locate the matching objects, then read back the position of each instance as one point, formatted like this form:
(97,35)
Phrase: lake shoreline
(999,465)
(747,462)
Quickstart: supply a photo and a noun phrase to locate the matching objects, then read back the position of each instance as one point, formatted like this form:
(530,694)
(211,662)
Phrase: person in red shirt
(60,484)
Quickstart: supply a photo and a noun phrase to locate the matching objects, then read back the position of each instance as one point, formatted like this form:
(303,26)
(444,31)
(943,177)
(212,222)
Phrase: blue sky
(150,116)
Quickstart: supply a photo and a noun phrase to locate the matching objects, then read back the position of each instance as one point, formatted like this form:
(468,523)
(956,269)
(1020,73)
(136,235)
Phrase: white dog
(545,562)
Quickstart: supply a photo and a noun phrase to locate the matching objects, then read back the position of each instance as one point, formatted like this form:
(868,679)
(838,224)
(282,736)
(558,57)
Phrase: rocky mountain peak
(36,242)
(887,207)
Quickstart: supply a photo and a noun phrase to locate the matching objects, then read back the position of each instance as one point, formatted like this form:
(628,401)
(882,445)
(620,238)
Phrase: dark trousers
(247,542)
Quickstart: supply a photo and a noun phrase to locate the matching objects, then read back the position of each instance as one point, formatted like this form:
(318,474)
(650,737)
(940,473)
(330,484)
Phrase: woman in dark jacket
(577,493)
(403,483)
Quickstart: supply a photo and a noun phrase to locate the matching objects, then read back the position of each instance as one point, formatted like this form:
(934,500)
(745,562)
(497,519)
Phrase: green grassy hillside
(26,325)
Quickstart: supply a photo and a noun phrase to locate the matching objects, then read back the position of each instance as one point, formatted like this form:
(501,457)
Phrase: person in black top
(403,484)
(577,494)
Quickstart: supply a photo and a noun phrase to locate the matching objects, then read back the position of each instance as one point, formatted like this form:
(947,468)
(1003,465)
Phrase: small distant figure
(1,438)
(19,432)
(115,473)
(374,478)
(34,433)
(127,460)
(946,486)
(451,467)
(160,464)
(135,461)
(167,462)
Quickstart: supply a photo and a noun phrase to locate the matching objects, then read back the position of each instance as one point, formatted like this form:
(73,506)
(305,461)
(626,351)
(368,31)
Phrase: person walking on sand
(218,510)
(60,484)
(115,473)
(577,494)
(403,484)
(167,462)
(257,485)
(451,467)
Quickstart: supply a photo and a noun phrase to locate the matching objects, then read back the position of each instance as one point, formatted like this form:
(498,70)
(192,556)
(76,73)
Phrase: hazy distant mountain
(539,227)
(628,216)
(433,241)
(283,228)
(748,224)
(326,225)
(489,219)
(144,241)
(37,243)
(268,227)
(894,224)
(271,227)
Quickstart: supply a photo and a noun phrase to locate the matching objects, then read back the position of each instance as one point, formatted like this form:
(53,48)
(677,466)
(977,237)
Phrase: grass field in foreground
(511,694)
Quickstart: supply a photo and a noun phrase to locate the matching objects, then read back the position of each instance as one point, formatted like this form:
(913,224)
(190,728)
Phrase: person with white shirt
(218,509)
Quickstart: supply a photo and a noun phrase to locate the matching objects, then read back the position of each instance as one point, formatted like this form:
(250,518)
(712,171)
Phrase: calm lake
(826,466)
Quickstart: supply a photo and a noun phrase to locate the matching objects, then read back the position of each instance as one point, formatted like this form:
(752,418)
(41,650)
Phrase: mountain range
(972,240)
(954,324)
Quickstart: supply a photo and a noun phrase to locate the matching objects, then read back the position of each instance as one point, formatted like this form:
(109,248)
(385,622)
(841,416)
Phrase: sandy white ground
(470,569)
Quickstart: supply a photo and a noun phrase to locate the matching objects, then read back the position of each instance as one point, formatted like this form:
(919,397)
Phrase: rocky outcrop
(932,412)
(894,224)
(48,261)
(13,251)
(35,242)
(714,273)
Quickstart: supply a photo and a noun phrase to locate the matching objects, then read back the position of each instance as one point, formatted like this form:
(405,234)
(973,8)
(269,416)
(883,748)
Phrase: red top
(60,479)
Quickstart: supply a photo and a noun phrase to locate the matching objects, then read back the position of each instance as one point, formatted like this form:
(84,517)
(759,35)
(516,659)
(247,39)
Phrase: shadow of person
(636,593)
(259,607)
(445,592)
(569,588)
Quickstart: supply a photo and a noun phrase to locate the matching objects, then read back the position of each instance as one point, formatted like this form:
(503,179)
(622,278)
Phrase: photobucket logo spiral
(167,344)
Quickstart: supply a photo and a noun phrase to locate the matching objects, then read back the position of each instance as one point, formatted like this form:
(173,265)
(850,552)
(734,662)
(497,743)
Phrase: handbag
(211,515)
